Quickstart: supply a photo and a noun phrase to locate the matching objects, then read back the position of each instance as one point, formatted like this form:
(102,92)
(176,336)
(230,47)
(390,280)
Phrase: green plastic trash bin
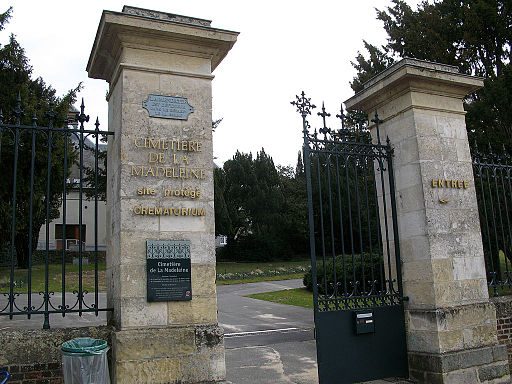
(84,361)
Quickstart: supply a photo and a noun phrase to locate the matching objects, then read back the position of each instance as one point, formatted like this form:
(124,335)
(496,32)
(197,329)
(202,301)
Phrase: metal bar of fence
(96,170)
(46,324)
(394,219)
(350,221)
(322,229)
(331,232)
(359,224)
(495,266)
(311,220)
(13,220)
(507,261)
(30,215)
(369,226)
(342,237)
(386,226)
(64,220)
(484,204)
(500,214)
(80,218)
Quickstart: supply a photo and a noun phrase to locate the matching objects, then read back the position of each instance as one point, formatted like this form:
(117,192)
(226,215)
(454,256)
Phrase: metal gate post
(451,325)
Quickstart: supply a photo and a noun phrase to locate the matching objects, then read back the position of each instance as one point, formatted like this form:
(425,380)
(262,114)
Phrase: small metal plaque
(168,270)
(168,107)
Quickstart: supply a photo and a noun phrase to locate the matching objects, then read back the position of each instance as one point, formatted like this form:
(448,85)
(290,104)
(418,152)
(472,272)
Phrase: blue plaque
(168,107)
(168,270)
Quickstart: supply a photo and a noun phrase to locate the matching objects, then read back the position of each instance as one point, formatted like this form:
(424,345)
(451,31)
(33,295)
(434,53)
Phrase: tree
(38,98)
(474,35)
(222,220)
(95,180)
(261,208)
(294,225)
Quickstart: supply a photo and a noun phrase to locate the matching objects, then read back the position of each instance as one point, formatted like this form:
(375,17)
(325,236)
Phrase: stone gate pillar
(451,325)
(160,224)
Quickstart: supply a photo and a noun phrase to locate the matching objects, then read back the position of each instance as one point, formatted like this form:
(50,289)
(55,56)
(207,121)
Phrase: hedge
(368,262)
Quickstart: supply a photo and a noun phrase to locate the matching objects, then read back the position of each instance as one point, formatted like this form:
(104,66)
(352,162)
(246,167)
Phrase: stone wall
(504,322)
(32,356)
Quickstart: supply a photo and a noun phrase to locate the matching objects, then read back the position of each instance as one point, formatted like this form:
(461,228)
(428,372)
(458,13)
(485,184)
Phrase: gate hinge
(405,298)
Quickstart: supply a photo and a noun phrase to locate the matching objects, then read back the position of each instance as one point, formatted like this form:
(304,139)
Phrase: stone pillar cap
(154,30)
(412,74)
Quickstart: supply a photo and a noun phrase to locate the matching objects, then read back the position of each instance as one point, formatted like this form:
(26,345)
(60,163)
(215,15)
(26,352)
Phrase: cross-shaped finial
(376,119)
(341,116)
(324,114)
(303,104)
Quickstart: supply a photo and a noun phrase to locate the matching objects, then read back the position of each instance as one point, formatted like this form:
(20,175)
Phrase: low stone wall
(504,322)
(32,356)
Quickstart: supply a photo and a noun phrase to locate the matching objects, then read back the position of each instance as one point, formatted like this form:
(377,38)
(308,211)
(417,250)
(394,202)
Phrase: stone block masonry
(160,190)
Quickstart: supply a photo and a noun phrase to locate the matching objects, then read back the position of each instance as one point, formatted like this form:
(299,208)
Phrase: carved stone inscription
(168,107)
(172,160)
(168,270)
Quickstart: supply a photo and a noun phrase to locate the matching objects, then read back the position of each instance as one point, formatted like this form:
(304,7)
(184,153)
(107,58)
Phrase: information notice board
(168,270)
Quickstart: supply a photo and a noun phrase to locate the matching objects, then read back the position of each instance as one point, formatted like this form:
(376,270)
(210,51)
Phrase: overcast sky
(284,47)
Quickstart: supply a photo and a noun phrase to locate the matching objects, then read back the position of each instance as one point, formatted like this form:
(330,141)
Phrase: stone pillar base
(181,354)
(479,365)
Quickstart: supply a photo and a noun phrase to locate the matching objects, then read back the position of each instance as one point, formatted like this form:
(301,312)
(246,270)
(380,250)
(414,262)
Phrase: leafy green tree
(38,98)
(474,35)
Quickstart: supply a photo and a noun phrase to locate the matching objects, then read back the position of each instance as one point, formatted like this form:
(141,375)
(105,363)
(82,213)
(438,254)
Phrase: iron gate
(492,171)
(355,268)
(41,167)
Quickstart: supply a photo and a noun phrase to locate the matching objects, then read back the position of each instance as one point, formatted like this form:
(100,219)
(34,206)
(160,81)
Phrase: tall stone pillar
(160,224)
(451,325)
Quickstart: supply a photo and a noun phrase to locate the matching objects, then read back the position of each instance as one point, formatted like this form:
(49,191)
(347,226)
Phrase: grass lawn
(55,278)
(299,297)
(227,273)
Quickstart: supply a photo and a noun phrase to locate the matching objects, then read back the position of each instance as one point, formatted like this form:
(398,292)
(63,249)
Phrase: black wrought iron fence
(351,204)
(52,177)
(493,172)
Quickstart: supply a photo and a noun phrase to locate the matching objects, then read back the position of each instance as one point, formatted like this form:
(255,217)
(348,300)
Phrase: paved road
(241,314)
(266,342)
